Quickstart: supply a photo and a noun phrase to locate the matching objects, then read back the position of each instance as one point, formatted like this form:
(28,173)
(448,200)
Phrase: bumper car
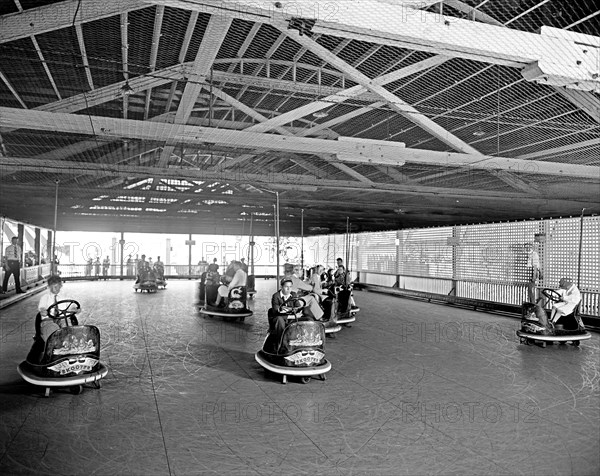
(201,292)
(536,327)
(159,272)
(346,312)
(234,307)
(299,351)
(146,282)
(330,316)
(251,291)
(69,358)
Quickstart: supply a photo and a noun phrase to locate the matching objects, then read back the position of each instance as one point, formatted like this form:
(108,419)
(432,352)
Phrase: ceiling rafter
(258,179)
(84,58)
(393,101)
(35,21)
(12,90)
(191,26)
(108,128)
(217,28)
(259,117)
(156,34)
(124,19)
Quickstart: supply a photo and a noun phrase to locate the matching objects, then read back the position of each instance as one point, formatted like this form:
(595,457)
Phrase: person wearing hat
(306,291)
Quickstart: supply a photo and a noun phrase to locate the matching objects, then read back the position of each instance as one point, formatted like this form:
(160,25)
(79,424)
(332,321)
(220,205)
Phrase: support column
(190,243)
(398,258)
(20,237)
(122,246)
(36,245)
(49,247)
(455,243)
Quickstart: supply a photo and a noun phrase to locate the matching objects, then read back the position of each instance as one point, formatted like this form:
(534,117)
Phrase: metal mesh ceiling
(178,73)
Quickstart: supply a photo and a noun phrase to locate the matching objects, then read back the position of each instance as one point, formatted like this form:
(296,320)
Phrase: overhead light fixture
(479,133)
(126,89)
(320,114)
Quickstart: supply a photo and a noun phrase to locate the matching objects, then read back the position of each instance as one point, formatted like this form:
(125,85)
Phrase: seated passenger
(277,320)
(315,280)
(240,277)
(159,269)
(212,277)
(340,277)
(571,297)
(222,292)
(213,266)
(45,324)
(142,270)
(304,290)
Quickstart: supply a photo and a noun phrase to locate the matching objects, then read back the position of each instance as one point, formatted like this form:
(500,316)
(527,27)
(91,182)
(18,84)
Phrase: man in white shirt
(239,277)
(47,324)
(571,297)
(12,265)
(313,308)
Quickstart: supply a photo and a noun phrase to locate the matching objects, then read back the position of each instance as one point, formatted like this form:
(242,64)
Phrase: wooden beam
(213,38)
(561,149)
(182,54)
(393,101)
(56,16)
(553,56)
(346,94)
(84,59)
(158,20)
(265,179)
(12,90)
(124,61)
(45,66)
(353,150)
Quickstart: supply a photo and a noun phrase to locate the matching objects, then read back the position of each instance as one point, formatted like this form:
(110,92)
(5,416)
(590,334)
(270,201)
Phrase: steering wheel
(551,294)
(292,306)
(64,309)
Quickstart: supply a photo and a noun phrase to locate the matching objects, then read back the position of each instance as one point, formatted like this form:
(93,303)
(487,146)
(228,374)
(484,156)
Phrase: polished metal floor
(415,389)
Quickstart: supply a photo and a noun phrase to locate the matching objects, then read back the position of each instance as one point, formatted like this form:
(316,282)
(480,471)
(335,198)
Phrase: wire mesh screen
(490,261)
(563,250)
(377,252)
(425,252)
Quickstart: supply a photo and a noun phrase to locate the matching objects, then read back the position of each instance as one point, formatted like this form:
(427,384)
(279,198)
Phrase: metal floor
(415,389)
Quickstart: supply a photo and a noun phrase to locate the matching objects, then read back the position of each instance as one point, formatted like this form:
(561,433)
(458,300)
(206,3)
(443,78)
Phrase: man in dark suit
(277,321)
(12,265)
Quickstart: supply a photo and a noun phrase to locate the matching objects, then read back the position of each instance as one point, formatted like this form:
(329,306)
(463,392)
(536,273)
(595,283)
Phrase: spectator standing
(12,265)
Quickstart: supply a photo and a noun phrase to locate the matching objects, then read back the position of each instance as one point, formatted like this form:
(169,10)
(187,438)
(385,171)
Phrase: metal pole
(347,244)
(302,240)
(251,248)
(190,257)
(122,243)
(53,266)
(277,231)
(580,248)
(2,235)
